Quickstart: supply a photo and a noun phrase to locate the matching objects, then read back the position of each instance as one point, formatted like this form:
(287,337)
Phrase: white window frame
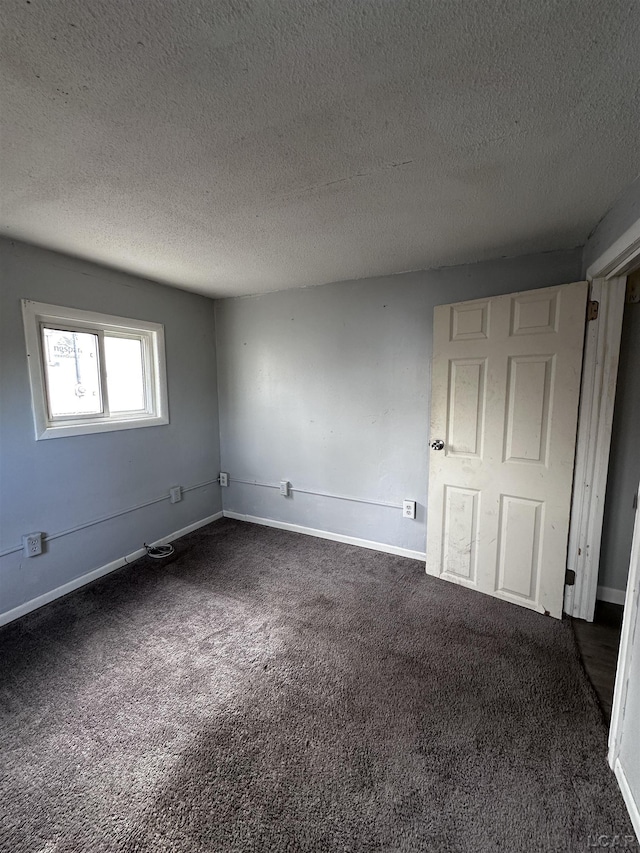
(37,315)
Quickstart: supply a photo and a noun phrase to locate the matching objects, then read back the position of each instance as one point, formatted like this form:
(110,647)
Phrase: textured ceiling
(237,147)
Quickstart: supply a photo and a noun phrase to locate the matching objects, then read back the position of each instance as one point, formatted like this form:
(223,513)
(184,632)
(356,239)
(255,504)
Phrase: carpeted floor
(267,691)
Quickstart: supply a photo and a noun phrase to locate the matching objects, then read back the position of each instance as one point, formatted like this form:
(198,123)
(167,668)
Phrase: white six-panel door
(504,407)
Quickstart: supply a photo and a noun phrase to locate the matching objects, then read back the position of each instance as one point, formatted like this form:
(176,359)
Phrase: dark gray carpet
(267,691)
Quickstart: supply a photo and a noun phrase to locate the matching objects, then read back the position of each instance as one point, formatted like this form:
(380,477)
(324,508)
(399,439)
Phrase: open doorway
(599,640)
(624,459)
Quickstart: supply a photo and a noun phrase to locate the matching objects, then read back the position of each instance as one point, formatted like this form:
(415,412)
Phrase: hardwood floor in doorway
(598,642)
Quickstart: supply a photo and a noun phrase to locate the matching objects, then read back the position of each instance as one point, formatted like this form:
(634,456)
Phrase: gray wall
(60,483)
(621,216)
(624,461)
(328,387)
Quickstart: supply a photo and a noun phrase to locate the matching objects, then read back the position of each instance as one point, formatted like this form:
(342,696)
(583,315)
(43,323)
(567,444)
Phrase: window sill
(67,430)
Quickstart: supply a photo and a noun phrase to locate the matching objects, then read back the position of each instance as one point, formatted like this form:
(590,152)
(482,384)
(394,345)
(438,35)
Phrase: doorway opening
(599,640)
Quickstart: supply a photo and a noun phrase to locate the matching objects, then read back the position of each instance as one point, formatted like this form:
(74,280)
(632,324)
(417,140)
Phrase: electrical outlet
(224,479)
(32,544)
(284,488)
(409,509)
(175,494)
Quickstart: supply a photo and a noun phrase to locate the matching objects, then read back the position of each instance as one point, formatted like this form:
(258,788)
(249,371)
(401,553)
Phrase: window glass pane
(73,372)
(125,374)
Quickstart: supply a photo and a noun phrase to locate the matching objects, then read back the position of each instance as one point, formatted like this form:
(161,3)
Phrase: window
(93,372)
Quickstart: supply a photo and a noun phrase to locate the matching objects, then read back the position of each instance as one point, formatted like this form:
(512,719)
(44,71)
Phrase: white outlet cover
(32,544)
(409,509)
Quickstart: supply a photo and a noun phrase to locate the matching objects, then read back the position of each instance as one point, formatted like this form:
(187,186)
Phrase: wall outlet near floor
(224,479)
(175,494)
(32,544)
(408,509)
(285,487)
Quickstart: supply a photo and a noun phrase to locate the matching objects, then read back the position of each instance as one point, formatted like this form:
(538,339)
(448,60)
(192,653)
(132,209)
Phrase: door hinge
(570,578)
(632,295)
(592,310)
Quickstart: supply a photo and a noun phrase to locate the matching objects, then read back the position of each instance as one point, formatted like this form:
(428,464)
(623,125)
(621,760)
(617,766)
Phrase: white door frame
(595,419)
(600,369)
(629,643)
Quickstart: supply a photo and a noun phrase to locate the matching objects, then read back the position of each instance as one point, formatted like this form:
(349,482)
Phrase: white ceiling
(238,147)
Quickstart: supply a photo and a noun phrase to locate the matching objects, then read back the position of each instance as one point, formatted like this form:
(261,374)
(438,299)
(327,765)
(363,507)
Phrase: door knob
(438,444)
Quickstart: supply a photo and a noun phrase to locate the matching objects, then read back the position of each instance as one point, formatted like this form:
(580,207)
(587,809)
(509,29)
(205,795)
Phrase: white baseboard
(627,795)
(325,534)
(188,529)
(76,583)
(613,596)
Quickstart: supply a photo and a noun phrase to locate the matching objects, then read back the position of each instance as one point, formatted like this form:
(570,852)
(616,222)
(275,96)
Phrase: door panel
(519,546)
(505,387)
(460,532)
(529,389)
(465,421)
